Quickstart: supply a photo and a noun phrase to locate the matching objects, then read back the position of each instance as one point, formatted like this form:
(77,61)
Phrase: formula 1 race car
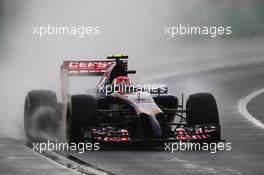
(120,111)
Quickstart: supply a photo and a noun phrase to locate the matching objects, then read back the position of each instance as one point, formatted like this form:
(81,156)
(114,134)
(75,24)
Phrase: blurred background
(134,27)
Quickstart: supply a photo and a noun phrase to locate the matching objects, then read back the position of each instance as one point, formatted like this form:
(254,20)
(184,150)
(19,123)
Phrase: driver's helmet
(122,80)
(121,84)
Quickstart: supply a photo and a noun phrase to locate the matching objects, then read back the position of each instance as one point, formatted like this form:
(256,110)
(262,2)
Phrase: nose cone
(150,127)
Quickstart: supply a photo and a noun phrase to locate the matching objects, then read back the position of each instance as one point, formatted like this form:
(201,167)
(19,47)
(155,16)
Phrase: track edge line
(242,107)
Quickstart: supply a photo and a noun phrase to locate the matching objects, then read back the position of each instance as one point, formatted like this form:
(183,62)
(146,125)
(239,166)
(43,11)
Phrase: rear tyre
(40,113)
(81,112)
(202,109)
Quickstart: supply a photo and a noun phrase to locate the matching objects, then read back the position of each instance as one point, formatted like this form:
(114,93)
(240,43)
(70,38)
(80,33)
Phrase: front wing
(198,133)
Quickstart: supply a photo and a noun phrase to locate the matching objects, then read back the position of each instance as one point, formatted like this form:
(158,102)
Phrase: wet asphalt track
(256,107)
(229,75)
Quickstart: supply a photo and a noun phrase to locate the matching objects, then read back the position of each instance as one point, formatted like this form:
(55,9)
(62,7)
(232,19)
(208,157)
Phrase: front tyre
(81,112)
(202,109)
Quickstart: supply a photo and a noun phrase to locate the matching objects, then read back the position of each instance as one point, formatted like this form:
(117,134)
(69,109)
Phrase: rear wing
(93,68)
(81,68)
(87,68)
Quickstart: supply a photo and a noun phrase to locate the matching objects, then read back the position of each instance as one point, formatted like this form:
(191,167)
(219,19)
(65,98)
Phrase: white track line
(242,107)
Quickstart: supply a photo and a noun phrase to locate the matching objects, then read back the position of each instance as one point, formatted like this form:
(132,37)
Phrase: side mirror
(131,72)
(163,90)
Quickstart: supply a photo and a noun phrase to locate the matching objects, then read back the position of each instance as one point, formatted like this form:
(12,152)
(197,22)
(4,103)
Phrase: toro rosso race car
(120,111)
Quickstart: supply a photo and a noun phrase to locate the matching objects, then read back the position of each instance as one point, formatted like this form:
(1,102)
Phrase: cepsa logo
(88,66)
